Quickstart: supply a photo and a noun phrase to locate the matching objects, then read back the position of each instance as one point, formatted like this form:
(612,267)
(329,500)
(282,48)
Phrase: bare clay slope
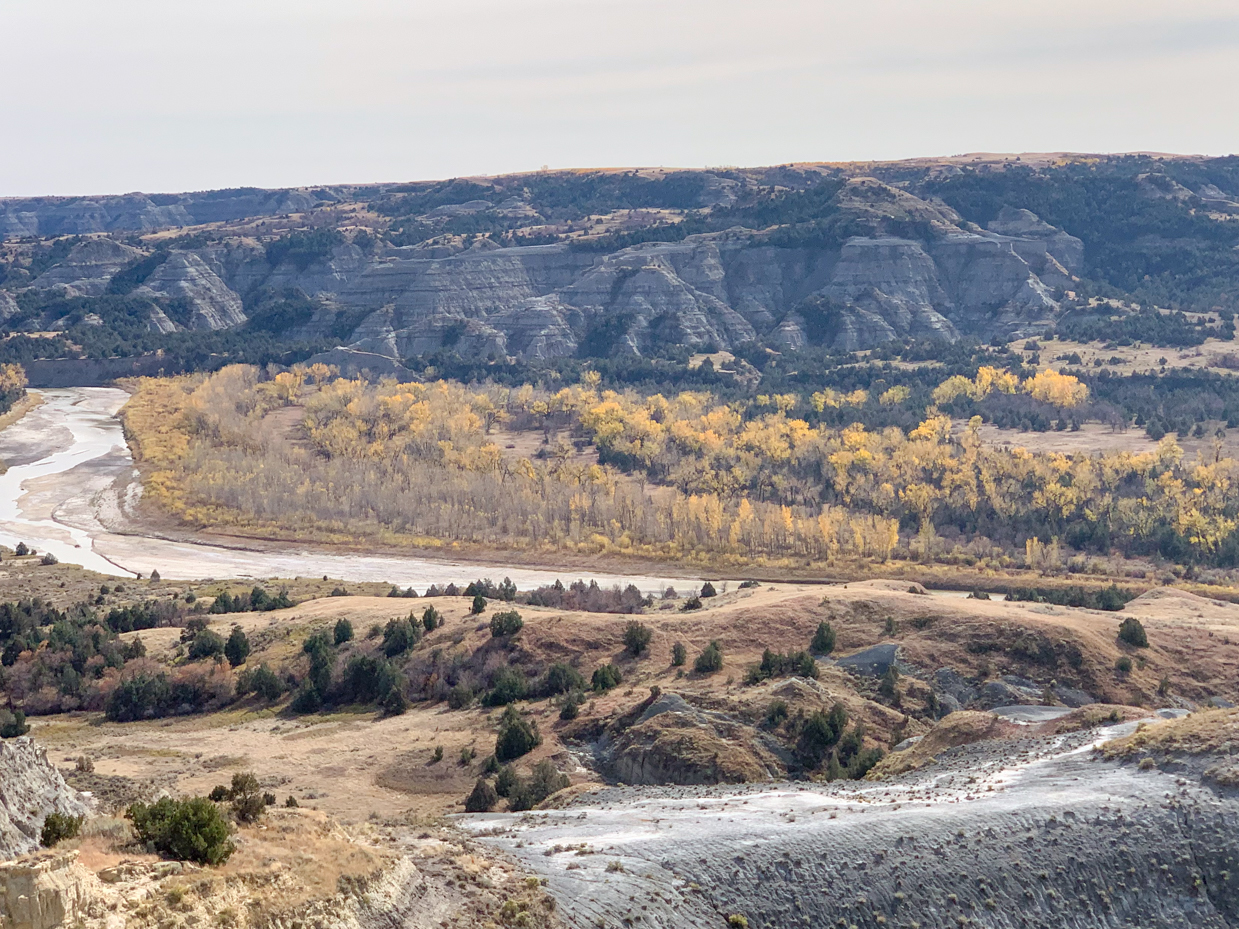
(1022,833)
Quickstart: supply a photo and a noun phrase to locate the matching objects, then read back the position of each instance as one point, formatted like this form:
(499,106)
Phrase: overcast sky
(104,96)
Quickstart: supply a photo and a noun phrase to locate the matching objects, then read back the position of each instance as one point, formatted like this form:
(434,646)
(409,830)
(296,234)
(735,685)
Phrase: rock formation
(30,788)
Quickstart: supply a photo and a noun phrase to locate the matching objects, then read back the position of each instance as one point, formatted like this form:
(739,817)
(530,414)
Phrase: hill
(530,269)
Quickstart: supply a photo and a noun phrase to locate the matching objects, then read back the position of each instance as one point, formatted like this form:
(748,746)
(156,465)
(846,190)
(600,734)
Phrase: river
(71,472)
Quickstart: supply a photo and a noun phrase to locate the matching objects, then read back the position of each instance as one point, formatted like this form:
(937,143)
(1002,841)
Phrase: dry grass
(356,765)
(962,728)
(1203,733)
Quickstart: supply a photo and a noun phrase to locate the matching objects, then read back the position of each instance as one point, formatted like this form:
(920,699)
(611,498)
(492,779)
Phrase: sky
(110,96)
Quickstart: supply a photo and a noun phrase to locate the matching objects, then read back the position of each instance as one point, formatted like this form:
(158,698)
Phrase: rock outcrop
(30,788)
(45,891)
(187,280)
(88,268)
(891,265)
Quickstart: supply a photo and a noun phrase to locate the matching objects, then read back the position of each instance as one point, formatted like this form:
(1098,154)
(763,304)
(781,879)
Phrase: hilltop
(536,268)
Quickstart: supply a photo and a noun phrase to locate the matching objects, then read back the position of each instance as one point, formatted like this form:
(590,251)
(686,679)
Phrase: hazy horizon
(138,95)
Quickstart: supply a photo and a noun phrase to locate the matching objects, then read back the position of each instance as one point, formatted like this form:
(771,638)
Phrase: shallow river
(70,471)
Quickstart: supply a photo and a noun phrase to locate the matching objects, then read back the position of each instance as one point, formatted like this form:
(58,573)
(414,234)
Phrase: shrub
(710,660)
(560,678)
(541,783)
(432,619)
(13,724)
(692,603)
(505,780)
(307,699)
(819,733)
(248,803)
(572,706)
(237,648)
(508,622)
(483,797)
(1131,631)
(823,639)
(605,678)
(141,696)
(58,827)
(745,585)
(707,590)
(262,681)
(188,830)
(637,638)
(507,686)
(291,803)
(343,631)
(460,696)
(398,637)
(679,655)
(478,605)
(1123,665)
(517,736)
(394,704)
(206,644)
(438,755)
(49,559)
(366,679)
(888,686)
(776,713)
(775,664)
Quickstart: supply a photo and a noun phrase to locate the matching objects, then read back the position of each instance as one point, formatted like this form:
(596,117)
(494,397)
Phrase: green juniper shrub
(560,678)
(478,605)
(506,623)
(459,697)
(399,636)
(343,631)
(775,664)
(1123,665)
(745,585)
(58,827)
(776,713)
(246,796)
(291,803)
(571,707)
(707,590)
(432,619)
(692,603)
(237,648)
(888,686)
(187,830)
(394,703)
(819,733)
(482,799)
(710,659)
(1131,631)
(505,780)
(206,644)
(605,678)
(13,724)
(517,736)
(507,686)
(261,681)
(637,638)
(823,639)
(679,655)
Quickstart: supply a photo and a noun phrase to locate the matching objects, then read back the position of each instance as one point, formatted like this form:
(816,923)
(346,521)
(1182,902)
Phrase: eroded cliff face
(908,268)
(30,789)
